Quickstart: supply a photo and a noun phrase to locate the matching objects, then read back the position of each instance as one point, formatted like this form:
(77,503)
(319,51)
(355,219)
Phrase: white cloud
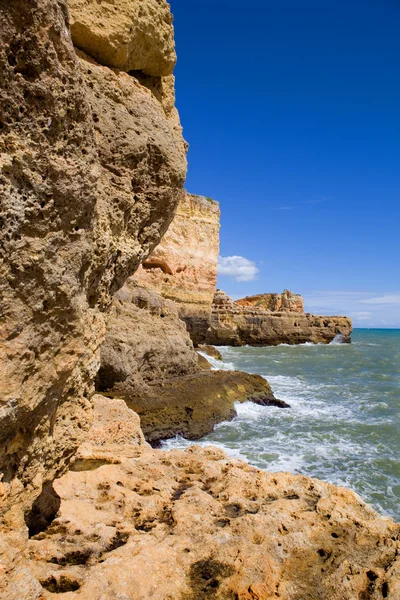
(238,267)
(381,311)
(361,315)
(386,299)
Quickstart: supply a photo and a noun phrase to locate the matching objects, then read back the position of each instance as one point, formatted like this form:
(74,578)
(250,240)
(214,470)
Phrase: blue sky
(292,113)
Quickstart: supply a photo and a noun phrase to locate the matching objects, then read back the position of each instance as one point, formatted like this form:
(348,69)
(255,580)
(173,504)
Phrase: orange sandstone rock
(285,302)
(92,165)
(183,267)
(196,525)
(254,321)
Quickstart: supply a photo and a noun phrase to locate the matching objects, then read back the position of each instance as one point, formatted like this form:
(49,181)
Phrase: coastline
(109,271)
(342,424)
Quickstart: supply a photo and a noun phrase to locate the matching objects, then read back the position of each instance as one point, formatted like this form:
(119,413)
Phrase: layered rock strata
(250,322)
(92,164)
(183,268)
(285,302)
(196,525)
(148,359)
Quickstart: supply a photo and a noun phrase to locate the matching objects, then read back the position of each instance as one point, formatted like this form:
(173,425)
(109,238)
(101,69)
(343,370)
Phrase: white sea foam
(217,365)
(343,423)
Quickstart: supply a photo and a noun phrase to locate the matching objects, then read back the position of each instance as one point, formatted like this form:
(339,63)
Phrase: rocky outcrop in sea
(183,268)
(270,320)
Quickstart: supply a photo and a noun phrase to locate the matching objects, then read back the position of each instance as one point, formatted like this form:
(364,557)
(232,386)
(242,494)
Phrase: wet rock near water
(192,405)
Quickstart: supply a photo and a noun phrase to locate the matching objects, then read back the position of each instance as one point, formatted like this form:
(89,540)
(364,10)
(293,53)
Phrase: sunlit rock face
(285,302)
(216,528)
(92,165)
(269,320)
(128,34)
(183,268)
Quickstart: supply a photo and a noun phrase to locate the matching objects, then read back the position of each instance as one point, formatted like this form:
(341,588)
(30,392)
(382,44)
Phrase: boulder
(210,351)
(191,405)
(285,302)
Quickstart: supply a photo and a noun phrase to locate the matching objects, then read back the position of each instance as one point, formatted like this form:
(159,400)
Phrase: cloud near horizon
(238,267)
(381,311)
(386,299)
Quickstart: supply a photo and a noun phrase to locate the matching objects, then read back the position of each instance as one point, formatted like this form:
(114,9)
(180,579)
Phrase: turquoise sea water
(344,421)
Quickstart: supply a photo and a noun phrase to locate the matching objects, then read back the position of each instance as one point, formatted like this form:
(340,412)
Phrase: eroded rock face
(148,360)
(210,351)
(183,268)
(285,302)
(114,427)
(145,342)
(49,335)
(128,34)
(191,405)
(91,169)
(142,171)
(249,321)
(196,525)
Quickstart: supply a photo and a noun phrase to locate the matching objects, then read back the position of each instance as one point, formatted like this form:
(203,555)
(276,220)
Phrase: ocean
(344,422)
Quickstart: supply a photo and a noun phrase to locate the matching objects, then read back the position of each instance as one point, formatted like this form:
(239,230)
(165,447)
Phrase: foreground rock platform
(196,525)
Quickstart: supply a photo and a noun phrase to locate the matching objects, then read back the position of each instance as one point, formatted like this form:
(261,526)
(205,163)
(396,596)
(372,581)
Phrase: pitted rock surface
(128,34)
(91,170)
(196,525)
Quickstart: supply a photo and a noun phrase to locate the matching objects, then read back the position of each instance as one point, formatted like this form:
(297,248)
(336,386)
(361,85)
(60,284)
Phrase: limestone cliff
(285,302)
(269,320)
(148,359)
(183,268)
(92,164)
(134,523)
(146,341)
